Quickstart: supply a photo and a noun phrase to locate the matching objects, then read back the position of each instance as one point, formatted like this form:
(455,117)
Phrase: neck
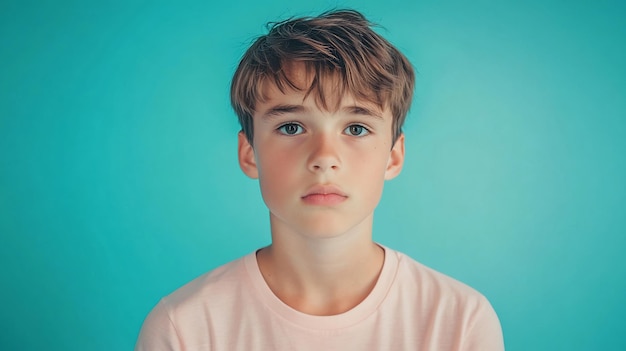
(321,275)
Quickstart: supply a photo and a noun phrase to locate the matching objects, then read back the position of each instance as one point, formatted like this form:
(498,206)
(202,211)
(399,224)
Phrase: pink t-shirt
(411,307)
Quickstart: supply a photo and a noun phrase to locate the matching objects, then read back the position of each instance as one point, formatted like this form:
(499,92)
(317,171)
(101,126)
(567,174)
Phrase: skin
(321,175)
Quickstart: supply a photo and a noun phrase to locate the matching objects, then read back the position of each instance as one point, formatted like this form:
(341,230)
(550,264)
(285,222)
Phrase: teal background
(119,180)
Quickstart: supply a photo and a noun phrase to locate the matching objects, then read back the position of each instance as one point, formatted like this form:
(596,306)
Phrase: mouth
(324,195)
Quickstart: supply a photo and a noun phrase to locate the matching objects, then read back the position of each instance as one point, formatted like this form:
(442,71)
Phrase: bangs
(326,84)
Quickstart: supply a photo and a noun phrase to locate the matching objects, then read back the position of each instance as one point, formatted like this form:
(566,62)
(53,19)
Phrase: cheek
(371,161)
(276,174)
(370,174)
(276,164)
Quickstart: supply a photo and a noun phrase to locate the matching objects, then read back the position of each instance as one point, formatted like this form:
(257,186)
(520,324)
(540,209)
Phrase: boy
(321,102)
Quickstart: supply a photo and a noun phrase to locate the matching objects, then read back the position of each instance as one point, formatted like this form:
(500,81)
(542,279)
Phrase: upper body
(411,307)
(321,102)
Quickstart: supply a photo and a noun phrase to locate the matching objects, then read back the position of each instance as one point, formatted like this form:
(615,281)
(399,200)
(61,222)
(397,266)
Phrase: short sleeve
(158,333)
(484,332)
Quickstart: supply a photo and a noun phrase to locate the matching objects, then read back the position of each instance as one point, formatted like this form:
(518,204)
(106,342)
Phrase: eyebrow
(282,109)
(363,111)
(279,110)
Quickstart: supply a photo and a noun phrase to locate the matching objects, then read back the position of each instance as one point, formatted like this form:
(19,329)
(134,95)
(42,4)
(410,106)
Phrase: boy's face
(321,173)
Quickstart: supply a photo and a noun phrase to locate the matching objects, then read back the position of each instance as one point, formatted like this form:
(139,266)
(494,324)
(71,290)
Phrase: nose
(324,154)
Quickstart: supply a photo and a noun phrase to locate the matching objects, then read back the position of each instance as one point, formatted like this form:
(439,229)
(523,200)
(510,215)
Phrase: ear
(247,161)
(396,159)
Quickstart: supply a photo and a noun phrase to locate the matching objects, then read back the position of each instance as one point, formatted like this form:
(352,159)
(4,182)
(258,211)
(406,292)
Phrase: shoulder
(215,283)
(431,282)
(195,308)
(453,306)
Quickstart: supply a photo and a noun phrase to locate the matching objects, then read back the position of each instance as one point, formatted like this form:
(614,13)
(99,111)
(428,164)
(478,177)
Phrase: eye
(291,129)
(356,130)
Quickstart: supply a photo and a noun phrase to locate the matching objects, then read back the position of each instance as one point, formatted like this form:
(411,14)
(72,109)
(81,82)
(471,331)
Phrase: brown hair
(336,44)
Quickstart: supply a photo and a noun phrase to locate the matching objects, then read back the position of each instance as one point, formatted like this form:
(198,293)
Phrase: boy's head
(340,55)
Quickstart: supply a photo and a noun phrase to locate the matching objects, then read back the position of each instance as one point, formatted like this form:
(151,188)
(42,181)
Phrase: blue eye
(291,129)
(356,130)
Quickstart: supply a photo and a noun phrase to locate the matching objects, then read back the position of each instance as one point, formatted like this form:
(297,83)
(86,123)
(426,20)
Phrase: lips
(324,195)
